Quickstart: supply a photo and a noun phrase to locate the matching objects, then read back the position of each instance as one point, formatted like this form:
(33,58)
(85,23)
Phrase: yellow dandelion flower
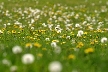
(28,45)
(1,32)
(8,32)
(13,31)
(16,26)
(39,54)
(84,37)
(95,41)
(80,44)
(37,44)
(63,42)
(92,42)
(43,31)
(55,40)
(19,32)
(85,33)
(44,49)
(89,50)
(95,31)
(99,30)
(71,56)
(64,36)
(34,33)
(3,29)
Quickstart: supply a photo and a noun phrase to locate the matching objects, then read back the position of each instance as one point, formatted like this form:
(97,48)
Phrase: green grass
(67,12)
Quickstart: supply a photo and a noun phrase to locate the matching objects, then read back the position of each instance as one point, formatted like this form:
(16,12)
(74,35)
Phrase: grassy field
(53,36)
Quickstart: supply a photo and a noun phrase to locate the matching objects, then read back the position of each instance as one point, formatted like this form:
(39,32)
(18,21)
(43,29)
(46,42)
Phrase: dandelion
(16,49)
(28,59)
(1,32)
(6,62)
(71,56)
(13,69)
(58,29)
(85,33)
(92,42)
(63,42)
(39,55)
(55,66)
(55,41)
(13,31)
(28,45)
(44,49)
(89,50)
(57,50)
(68,37)
(80,33)
(80,44)
(103,40)
(44,25)
(77,25)
(38,45)
(53,44)
(47,39)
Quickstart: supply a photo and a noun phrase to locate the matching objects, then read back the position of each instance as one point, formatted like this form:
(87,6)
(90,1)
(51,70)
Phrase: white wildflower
(28,59)
(77,25)
(6,62)
(57,50)
(68,37)
(16,49)
(47,39)
(13,68)
(44,25)
(103,40)
(53,44)
(55,66)
(80,33)
(1,32)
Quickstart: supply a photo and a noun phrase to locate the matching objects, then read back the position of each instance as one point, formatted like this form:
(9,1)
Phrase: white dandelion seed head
(13,68)
(77,25)
(57,50)
(55,66)
(1,32)
(44,25)
(104,39)
(32,28)
(80,33)
(16,49)
(6,62)
(53,44)
(47,39)
(28,59)
(68,37)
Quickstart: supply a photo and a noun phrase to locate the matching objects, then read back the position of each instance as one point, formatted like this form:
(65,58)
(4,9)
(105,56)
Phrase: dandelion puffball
(6,62)
(103,40)
(13,69)
(80,33)
(28,59)
(55,66)
(16,49)
(53,44)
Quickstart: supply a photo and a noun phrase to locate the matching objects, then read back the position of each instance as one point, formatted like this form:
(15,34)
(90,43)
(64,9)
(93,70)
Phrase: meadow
(53,36)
